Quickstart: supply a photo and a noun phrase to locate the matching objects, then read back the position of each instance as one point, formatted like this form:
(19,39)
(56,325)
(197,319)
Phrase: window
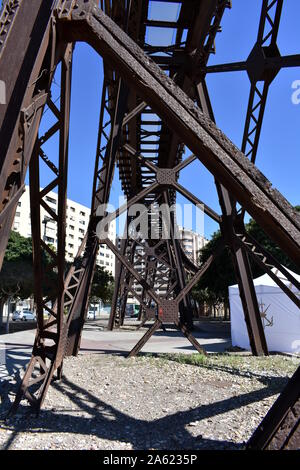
(19,204)
(80,239)
(71,227)
(72,209)
(71,245)
(71,236)
(17,214)
(51,200)
(49,239)
(82,213)
(81,230)
(82,222)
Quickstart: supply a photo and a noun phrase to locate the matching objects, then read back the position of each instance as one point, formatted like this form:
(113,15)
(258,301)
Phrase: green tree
(213,287)
(256,231)
(17,270)
(17,277)
(102,287)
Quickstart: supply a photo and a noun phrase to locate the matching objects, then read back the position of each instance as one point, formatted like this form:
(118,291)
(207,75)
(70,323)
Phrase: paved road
(15,348)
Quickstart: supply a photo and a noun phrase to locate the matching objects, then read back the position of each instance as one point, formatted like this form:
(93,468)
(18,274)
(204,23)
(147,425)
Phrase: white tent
(280,315)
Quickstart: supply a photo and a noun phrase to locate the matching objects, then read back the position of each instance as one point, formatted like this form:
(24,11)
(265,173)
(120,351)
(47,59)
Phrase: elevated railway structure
(155,103)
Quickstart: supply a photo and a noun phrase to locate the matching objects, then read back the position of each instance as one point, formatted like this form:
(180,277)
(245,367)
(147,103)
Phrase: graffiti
(263,313)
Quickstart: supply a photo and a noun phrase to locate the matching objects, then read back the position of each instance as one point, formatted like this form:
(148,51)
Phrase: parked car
(91,315)
(23,316)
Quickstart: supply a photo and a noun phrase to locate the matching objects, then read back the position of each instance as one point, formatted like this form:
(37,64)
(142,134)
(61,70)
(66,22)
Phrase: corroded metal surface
(137,96)
(280,429)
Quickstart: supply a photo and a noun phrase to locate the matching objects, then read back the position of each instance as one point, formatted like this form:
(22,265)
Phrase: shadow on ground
(14,361)
(106,422)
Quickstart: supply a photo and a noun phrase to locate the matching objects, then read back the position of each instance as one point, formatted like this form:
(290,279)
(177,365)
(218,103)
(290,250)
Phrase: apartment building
(76,226)
(192,242)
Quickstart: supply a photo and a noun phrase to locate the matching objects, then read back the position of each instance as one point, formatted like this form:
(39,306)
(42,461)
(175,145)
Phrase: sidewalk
(15,348)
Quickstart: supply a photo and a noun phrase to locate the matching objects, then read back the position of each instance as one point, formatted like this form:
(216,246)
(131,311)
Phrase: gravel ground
(109,402)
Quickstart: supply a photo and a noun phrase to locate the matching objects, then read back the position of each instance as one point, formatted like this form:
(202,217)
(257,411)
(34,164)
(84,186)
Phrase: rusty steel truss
(154,103)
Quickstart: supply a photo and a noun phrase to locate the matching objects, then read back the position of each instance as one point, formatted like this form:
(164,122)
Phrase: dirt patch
(109,402)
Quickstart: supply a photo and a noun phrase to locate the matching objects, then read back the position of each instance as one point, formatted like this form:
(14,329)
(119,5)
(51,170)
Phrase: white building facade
(192,243)
(76,226)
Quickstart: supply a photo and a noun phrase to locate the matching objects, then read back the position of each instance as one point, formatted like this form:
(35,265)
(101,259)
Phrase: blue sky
(278,154)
